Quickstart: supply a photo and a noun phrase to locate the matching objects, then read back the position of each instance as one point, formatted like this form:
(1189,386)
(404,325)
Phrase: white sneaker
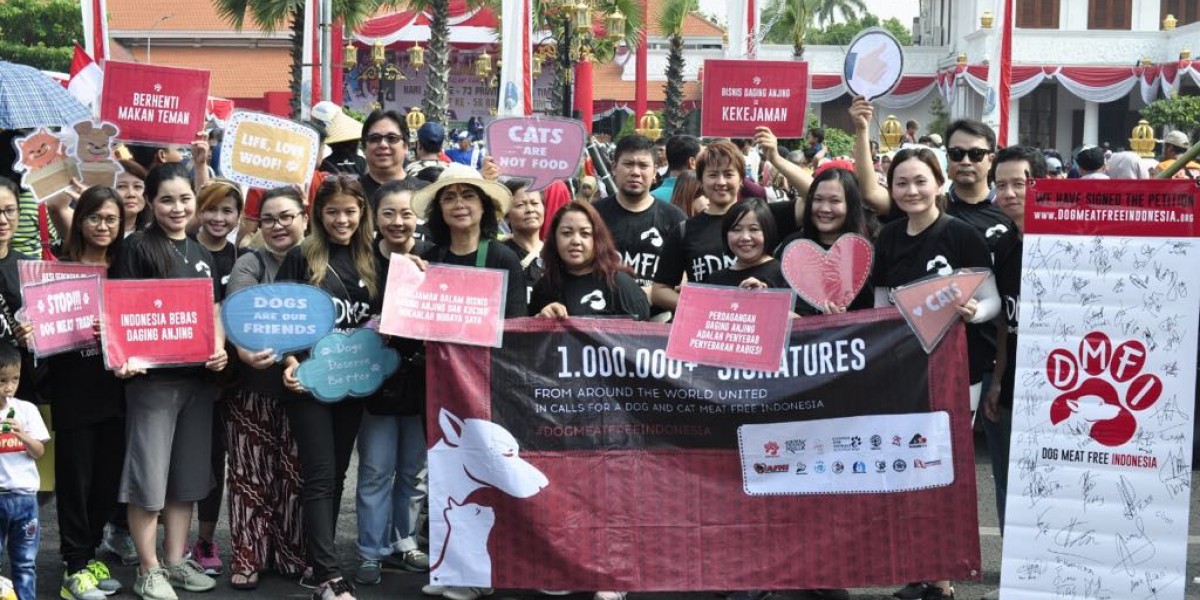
(466,593)
(433,590)
(609,596)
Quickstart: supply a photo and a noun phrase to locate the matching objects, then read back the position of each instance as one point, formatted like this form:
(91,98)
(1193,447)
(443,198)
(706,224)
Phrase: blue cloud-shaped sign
(343,365)
(285,317)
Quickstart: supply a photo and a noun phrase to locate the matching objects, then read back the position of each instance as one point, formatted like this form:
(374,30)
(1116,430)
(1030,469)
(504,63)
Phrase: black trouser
(87,472)
(208,510)
(325,435)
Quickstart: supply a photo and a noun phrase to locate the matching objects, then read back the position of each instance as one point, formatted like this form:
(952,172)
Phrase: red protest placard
(444,304)
(730,327)
(63,313)
(930,305)
(157,322)
(740,95)
(41,271)
(154,104)
(1141,208)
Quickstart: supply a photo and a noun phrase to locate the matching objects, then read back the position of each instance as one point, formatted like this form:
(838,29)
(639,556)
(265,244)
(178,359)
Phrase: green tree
(791,21)
(841,34)
(670,24)
(837,142)
(272,14)
(1176,111)
(40,33)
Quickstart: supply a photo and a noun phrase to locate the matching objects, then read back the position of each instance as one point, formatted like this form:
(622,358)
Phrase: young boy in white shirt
(23,436)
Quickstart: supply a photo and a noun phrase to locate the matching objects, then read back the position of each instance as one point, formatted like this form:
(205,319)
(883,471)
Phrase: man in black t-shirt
(639,223)
(1015,165)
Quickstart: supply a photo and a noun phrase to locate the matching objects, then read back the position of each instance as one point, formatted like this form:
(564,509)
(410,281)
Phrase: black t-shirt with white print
(352,300)
(698,250)
(985,216)
(947,245)
(223,261)
(1008,282)
(590,296)
(640,236)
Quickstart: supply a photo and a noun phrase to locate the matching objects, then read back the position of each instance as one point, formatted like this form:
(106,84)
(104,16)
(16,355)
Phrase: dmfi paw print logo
(771,448)
(1102,384)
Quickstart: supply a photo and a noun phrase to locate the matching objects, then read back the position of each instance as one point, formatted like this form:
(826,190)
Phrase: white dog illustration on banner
(472,454)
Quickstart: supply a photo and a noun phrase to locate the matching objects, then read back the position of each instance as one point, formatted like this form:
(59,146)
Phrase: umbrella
(29,99)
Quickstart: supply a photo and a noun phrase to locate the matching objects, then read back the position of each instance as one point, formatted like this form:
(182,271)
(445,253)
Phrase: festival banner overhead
(1100,474)
(732,327)
(153,104)
(151,323)
(266,151)
(740,95)
(464,305)
(596,462)
(63,314)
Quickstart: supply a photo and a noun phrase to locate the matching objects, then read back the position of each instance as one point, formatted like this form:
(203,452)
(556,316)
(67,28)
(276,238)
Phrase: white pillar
(1014,121)
(1091,123)
(1145,15)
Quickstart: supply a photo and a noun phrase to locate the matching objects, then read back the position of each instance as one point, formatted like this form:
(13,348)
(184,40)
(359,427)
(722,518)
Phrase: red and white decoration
(1091,83)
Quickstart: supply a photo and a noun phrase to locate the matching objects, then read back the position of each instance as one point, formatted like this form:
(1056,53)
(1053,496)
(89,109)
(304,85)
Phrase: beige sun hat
(339,126)
(460,173)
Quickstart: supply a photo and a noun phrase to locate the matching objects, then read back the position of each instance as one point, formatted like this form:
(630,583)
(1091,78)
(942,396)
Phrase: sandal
(249,580)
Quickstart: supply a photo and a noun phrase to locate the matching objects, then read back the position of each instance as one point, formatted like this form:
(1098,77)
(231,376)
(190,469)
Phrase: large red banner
(740,95)
(578,456)
(1112,207)
(154,104)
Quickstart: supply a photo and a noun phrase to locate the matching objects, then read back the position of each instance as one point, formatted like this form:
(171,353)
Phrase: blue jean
(391,483)
(20,534)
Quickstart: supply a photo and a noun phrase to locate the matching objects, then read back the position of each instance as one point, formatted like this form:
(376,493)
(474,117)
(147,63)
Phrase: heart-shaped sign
(836,275)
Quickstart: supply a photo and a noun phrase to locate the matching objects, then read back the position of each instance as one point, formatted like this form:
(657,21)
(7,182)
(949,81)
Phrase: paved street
(407,587)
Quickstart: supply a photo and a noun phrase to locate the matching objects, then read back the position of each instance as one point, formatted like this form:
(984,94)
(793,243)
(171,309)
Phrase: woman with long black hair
(337,257)
(169,410)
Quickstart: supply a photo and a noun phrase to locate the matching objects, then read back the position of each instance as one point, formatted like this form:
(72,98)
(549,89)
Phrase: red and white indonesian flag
(743,28)
(999,90)
(87,79)
(95,28)
(516,86)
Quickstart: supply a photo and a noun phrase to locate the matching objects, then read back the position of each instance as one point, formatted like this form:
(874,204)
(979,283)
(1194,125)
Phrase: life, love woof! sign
(266,151)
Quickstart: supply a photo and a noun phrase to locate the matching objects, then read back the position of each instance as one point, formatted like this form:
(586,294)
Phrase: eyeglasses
(976,154)
(392,139)
(283,220)
(96,220)
(10,213)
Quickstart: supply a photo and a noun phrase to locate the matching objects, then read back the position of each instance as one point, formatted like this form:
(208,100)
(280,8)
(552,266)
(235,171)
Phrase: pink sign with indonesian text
(731,327)
(63,314)
(463,305)
(740,95)
(158,322)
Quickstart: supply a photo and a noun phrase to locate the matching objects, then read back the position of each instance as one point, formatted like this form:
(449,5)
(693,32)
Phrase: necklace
(183,255)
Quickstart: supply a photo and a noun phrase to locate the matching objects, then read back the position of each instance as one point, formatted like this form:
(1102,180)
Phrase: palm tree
(271,14)
(437,94)
(670,24)
(791,20)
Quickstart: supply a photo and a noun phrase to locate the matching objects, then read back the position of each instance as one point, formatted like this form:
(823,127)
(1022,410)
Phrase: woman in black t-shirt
(219,213)
(178,398)
(525,218)
(749,233)
(584,274)
(338,257)
(88,405)
(462,211)
(924,243)
(695,247)
(832,208)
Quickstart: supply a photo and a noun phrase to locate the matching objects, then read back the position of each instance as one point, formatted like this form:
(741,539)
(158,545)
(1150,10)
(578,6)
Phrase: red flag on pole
(95,28)
(1005,90)
(87,79)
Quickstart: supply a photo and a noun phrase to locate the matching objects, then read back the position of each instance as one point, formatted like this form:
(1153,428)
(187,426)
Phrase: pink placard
(540,148)
(836,275)
(930,305)
(157,322)
(731,327)
(463,305)
(63,314)
(41,271)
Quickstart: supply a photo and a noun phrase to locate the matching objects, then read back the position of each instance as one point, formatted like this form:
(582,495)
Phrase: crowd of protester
(136,447)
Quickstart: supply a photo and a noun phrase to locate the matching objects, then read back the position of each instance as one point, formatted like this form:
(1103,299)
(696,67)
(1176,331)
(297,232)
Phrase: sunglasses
(976,154)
